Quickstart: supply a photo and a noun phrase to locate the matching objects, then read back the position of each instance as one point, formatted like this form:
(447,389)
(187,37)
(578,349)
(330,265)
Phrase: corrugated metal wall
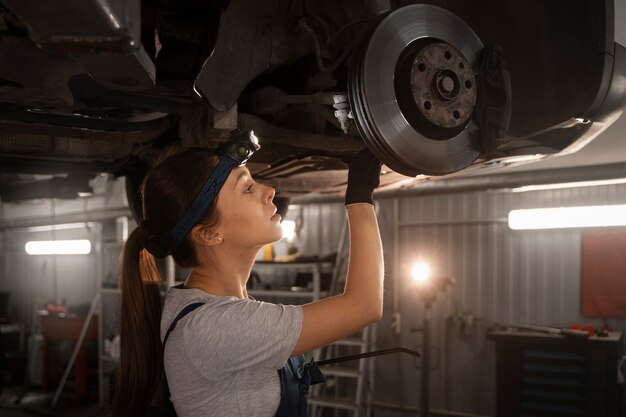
(35,281)
(501,276)
(525,277)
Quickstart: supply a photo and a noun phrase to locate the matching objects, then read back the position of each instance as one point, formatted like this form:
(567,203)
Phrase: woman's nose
(270,194)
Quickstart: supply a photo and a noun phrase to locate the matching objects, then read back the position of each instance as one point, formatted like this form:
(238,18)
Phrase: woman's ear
(205,235)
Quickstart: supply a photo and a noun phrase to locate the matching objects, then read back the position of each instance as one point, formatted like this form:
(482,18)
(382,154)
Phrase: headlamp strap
(202,201)
(235,152)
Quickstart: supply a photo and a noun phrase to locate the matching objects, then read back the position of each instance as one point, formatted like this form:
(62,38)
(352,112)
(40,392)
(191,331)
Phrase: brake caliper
(493,105)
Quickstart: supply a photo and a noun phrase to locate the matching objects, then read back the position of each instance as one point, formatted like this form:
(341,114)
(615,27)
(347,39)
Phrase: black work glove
(363,177)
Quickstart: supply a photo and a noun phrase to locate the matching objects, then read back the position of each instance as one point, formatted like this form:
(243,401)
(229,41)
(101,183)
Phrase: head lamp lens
(240,147)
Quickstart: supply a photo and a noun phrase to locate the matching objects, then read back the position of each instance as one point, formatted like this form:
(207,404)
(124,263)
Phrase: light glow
(420,272)
(568,217)
(58,247)
(289,229)
(64,226)
(576,184)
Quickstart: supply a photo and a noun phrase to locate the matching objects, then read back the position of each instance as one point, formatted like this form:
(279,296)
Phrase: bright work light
(58,247)
(420,272)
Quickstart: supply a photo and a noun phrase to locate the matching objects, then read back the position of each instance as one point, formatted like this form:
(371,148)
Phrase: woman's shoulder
(177,298)
(219,309)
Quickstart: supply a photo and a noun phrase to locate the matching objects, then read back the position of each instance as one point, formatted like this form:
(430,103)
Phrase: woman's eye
(250,187)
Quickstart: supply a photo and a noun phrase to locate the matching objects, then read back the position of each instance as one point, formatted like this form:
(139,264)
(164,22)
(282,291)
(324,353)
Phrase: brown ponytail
(141,361)
(167,191)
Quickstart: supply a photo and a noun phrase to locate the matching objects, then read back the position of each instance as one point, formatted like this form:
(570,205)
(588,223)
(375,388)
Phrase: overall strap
(188,309)
(167,408)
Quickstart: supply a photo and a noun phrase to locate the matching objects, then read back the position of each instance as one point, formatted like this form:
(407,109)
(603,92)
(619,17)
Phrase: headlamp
(240,147)
(235,152)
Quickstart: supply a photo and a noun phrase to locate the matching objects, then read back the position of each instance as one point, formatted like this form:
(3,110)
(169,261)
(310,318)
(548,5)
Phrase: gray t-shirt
(221,359)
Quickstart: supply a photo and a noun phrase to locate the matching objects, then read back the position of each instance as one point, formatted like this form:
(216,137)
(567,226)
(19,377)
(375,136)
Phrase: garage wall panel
(502,276)
(36,280)
(320,227)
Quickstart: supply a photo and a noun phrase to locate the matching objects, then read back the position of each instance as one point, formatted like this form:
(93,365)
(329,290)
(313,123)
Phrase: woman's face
(247,214)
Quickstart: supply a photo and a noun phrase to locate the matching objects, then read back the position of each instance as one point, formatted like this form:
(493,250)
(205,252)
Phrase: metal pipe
(495,181)
(396,262)
(444,361)
(99,251)
(511,180)
(369,355)
(82,217)
(77,347)
(452,222)
(416,410)
(170,271)
(425,386)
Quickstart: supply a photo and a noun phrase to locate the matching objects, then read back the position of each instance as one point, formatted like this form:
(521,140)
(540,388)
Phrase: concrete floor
(37,403)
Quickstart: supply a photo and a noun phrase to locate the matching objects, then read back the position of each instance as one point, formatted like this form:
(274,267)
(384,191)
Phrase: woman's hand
(363,178)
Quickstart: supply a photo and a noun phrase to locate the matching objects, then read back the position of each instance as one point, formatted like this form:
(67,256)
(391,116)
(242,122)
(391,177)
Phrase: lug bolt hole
(447,54)
(468,84)
(456,114)
(421,67)
(427,105)
(461,66)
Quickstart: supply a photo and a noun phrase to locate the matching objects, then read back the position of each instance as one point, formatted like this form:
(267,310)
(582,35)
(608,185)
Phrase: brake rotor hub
(412,90)
(443,83)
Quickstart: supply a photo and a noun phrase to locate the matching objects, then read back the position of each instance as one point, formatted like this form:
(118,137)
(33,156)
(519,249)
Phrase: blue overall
(295,379)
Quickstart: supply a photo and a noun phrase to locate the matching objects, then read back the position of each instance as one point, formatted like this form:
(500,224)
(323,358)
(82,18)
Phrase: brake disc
(412,90)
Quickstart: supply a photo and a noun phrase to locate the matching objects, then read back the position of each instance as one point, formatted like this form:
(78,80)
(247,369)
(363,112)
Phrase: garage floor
(36,403)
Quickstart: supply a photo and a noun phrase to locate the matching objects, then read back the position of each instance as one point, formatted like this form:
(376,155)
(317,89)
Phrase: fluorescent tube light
(569,185)
(566,217)
(58,247)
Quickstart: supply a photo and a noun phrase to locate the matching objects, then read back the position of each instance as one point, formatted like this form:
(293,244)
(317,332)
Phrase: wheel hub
(443,85)
(412,90)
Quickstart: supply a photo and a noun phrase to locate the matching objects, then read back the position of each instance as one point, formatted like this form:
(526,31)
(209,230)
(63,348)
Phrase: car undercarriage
(432,88)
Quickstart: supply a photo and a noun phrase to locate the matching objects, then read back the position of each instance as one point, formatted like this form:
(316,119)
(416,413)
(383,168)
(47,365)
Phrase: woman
(221,359)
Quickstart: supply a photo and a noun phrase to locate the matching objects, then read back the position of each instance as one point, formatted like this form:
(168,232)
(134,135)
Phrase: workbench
(555,375)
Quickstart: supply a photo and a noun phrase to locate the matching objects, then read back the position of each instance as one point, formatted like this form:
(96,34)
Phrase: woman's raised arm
(361,303)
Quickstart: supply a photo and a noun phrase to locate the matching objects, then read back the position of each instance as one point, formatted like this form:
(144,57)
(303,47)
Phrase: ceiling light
(569,185)
(567,217)
(58,247)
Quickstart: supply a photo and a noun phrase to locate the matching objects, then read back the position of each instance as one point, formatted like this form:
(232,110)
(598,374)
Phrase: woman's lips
(276,216)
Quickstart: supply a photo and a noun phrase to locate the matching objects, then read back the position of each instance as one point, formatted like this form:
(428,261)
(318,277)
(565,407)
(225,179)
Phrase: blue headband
(235,152)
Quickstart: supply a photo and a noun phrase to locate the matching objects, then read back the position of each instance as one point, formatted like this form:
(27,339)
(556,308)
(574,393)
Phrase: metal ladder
(348,389)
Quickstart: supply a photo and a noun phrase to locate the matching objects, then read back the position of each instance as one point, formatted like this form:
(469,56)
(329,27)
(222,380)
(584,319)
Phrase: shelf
(107,290)
(316,268)
(350,342)
(340,371)
(330,402)
(110,359)
(113,244)
(321,264)
(286,293)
